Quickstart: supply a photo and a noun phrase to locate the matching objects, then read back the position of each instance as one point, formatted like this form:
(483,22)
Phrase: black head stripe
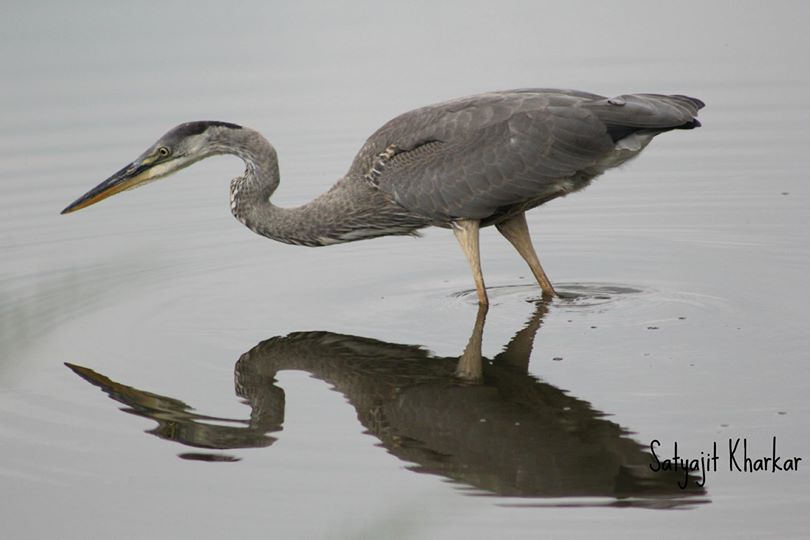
(195,128)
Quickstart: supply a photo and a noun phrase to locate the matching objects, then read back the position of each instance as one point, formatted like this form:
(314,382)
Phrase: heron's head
(177,149)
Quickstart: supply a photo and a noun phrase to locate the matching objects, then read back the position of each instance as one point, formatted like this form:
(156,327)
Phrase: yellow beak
(133,175)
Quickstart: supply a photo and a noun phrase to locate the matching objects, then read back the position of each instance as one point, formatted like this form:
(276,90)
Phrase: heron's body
(467,163)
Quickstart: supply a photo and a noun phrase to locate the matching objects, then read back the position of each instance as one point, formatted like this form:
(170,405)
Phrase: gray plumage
(466,163)
(483,157)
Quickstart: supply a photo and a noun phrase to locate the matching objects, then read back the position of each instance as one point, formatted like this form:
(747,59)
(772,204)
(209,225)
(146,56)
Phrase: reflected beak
(133,175)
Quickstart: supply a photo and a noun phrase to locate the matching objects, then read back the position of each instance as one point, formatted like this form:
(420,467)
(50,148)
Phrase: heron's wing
(499,165)
(468,160)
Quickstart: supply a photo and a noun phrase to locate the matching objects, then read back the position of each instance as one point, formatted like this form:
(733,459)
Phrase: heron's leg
(470,367)
(517,232)
(466,231)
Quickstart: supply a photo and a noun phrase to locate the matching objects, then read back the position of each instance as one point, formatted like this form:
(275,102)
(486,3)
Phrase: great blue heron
(462,164)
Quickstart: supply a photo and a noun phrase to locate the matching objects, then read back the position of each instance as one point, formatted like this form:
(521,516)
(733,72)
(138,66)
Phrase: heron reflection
(488,424)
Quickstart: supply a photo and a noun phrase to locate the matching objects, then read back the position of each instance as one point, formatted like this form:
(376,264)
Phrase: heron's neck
(250,197)
(348,211)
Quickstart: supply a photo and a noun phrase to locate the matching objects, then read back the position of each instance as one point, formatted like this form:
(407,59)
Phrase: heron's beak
(133,175)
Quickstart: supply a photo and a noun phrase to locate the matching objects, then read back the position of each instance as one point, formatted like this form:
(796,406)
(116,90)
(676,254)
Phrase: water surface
(312,392)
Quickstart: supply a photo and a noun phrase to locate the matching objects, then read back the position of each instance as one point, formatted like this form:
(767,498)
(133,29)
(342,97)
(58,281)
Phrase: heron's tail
(691,104)
(629,113)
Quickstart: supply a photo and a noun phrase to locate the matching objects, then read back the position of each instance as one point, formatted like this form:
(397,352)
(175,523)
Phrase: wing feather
(471,157)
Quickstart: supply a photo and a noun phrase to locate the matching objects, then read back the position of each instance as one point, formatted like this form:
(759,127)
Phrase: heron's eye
(163,151)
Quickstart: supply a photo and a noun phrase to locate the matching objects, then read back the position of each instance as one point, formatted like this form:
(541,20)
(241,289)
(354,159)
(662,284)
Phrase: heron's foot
(548,292)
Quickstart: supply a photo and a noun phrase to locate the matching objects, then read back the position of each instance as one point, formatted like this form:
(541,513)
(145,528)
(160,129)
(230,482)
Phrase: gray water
(276,391)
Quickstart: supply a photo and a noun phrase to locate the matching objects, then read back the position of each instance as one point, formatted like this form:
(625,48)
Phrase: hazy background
(161,289)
